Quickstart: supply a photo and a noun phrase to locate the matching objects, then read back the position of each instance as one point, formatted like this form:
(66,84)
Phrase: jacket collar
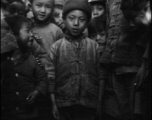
(39,25)
(71,38)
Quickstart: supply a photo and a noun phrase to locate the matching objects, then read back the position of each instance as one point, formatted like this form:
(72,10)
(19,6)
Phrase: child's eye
(12,11)
(21,13)
(48,6)
(27,31)
(56,15)
(71,18)
(39,5)
(100,9)
(82,19)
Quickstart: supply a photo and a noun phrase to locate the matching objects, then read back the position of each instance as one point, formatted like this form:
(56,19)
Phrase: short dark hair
(97,25)
(15,23)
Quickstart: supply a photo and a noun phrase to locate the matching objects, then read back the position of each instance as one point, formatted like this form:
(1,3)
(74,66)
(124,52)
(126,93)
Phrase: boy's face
(57,16)
(42,9)
(97,10)
(15,8)
(25,36)
(76,21)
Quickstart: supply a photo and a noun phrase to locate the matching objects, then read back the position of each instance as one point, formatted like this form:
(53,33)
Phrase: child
(9,8)
(75,83)
(57,13)
(97,31)
(43,27)
(16,7)
(23,80)
(98,8)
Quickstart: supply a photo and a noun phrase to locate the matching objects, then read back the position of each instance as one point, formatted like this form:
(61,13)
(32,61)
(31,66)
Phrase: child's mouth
(75,30)
(41,15)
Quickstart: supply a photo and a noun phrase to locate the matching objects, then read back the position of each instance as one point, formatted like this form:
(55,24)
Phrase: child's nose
(95,11)
(43,9)
(31,34)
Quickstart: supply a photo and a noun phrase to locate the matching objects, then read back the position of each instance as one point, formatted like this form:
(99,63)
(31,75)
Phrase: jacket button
(16,74)
(17,93)
(17,108)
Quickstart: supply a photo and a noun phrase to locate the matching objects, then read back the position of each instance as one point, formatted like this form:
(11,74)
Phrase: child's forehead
(44,1)
(26,25)
(97,4)
(77,13)
(58,7)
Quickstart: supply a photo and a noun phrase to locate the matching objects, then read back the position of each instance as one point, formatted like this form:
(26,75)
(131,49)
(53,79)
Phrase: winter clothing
(49,33)
(74,72)
(18,81)
(125,43)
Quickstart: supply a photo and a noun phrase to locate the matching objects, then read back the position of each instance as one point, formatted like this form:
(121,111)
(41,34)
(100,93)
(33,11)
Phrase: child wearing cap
(98,7)
(75,76)
(57,13)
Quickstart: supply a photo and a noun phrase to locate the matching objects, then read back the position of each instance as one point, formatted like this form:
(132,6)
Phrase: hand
(55,112)
(141,74)
(38,39)
(32,96)
(99,112)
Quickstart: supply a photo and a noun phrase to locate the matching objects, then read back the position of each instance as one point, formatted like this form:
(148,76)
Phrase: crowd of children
(75,60)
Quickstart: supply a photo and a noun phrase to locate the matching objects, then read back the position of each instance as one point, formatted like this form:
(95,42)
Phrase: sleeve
(39,52)
(59,34)
(102,68)
(41,78)
(50,68)
(146,57)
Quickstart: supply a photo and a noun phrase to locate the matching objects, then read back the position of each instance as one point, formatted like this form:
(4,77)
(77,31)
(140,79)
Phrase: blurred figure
(9,8)
(141,19)
(17,7)
(57,13)
(125,46)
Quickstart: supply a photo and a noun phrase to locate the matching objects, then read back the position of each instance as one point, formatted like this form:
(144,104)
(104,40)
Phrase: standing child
(23,80)
(43,27)
(75,83)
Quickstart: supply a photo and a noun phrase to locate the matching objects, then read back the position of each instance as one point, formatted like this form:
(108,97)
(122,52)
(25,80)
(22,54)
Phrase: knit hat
(77,5)
(59,2)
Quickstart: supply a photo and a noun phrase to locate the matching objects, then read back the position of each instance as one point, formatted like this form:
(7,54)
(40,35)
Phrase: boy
(57,13)
(98,8)
(23,80)
(75,83)
(42,26)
